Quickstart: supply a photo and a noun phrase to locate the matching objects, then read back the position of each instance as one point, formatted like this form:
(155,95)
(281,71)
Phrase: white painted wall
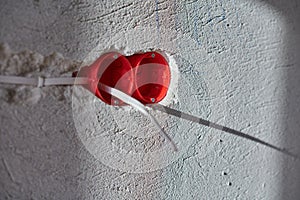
(239,67)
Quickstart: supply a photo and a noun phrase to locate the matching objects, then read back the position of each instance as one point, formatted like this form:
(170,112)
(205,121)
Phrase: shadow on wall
(39,150)
(290,181)
(40,154)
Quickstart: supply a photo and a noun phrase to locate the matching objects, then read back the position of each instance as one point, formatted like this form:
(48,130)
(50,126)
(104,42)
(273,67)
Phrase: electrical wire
(41,82)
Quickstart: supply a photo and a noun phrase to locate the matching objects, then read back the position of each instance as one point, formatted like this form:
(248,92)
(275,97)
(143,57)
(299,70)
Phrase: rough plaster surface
(246,77)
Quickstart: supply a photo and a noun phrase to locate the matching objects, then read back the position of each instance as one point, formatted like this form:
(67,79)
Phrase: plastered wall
(239,66)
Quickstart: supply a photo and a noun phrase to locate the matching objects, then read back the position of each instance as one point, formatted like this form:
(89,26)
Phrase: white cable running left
(41,82)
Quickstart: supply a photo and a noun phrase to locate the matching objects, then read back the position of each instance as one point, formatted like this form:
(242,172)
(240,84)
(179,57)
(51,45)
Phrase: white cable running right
(140,107)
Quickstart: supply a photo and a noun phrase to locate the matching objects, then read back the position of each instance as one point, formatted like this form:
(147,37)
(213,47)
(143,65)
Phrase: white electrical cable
(41,82)
(140,107)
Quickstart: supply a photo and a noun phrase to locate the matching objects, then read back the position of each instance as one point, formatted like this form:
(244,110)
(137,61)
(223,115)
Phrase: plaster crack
(106,14)
(7,169)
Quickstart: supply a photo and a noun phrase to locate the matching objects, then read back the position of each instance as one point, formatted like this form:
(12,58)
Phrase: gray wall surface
(239,66)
